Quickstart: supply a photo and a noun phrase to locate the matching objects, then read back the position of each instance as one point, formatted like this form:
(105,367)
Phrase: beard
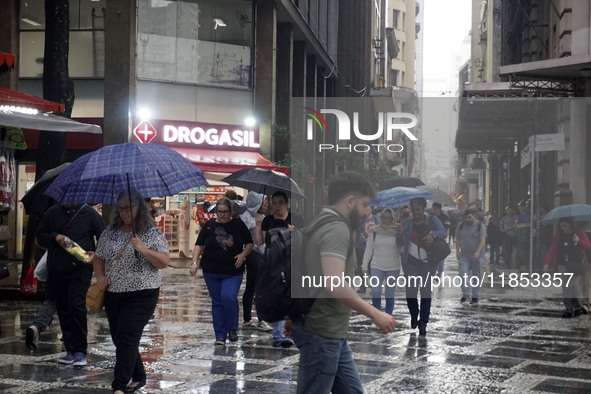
(355,217)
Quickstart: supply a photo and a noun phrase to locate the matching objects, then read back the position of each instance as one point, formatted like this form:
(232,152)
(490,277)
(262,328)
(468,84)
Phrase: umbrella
(396,181)
(238,207)
(578,212)
(264,181)
(151,169)
(440,196)
(35,197)
(399,196)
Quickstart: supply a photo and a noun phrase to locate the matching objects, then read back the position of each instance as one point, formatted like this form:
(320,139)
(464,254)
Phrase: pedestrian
(44,315)
(418,233)
(256,204)
(522,229)
(453,224)
(68,279)
(127,265)
(567,253)
(508,227)
(225,242)
(201,215)
(360,235)
(281,218)
(326,360)
(383,253)
(494,239)
(470,241)
(443,218)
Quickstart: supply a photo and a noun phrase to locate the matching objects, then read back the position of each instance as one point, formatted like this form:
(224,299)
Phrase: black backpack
(273,293)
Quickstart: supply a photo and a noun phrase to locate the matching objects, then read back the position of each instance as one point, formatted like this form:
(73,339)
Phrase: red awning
(20,99)
(6,62)
(227,161)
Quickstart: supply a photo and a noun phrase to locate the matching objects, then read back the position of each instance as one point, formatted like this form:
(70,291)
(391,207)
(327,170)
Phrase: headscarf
(253,204)
(382,228)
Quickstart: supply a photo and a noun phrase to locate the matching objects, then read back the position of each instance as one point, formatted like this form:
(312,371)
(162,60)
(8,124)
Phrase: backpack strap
(331,219)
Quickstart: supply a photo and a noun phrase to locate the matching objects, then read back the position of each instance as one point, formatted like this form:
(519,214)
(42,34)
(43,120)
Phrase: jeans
(223,290)
(128,313)
(388,279)
(495,253)
(415,268)
(440,267)
(326,365)
(252,269)
(45,314)
(571,294)
(470,266)
(68,290)
(278,332)
(509,241)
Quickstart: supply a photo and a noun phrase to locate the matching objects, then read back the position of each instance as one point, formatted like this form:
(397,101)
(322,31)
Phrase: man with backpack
(470,241)
(326,361)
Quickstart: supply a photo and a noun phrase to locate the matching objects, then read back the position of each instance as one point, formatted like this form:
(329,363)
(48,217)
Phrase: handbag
(437,251)
(29,283)
(95,296)
(4,273)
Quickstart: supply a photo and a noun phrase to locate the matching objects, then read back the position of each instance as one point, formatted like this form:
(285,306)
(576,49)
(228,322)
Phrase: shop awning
(228,161)
(20,99)
(7,61)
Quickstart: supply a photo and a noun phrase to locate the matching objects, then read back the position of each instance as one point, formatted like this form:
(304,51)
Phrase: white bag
(41,268)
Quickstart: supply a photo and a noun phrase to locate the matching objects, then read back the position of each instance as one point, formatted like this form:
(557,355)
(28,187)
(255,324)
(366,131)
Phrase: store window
(87,38)
(195,42)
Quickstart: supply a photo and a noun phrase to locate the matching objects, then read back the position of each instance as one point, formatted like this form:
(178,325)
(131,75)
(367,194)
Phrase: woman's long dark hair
(144,219)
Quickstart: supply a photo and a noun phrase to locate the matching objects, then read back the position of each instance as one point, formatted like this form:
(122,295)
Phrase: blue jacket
(437,231)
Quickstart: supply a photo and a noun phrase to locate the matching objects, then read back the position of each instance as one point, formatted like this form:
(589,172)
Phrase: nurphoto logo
(389,123)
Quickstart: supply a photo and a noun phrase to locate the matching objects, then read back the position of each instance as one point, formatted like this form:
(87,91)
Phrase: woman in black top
(225,242)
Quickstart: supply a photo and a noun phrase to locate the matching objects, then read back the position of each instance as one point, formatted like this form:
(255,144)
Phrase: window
(396,14)
(199,41)
(394,77)
(87,38)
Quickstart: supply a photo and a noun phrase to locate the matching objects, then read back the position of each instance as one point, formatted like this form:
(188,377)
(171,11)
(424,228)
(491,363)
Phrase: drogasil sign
(198,135)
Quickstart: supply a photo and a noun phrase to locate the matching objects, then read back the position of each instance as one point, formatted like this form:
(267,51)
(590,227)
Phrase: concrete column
(283,83)
(265,72)
(580,173)
(10,40)
(120,73)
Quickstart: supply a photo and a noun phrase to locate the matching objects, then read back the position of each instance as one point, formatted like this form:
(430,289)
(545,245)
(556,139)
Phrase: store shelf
(169,225)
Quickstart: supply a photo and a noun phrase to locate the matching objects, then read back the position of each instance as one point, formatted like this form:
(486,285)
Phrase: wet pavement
(508,343)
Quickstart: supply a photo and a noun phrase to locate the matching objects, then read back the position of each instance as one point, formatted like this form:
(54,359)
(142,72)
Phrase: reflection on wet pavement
(501,345)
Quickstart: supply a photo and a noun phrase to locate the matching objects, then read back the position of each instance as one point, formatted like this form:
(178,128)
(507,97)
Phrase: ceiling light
(31,21)
(218,22)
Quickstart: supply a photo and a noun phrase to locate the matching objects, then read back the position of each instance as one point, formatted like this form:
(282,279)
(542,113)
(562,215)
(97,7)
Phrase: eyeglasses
(222,212)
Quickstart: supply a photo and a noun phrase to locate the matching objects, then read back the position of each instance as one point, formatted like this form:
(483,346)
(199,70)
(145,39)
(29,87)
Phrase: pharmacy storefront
(216,149)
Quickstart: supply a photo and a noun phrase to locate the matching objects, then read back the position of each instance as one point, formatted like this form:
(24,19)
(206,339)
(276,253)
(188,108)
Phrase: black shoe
(422,330)
(413,322)
(232,335)
(568,314)
(277,344)
(286,344)
(474,301)
(578,312)
(135,388)
(463,299)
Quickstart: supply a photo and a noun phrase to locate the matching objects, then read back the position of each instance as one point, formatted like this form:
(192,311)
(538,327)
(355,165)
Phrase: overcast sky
(446,25)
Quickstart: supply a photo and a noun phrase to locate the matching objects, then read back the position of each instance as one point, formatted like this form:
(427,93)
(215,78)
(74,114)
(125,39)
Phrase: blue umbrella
(98,177)
(399,196)
(578,212)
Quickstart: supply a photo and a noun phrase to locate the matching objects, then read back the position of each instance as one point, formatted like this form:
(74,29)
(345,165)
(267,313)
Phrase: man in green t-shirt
(326,361)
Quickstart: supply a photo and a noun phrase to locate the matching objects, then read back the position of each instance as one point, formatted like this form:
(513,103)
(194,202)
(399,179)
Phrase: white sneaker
(249,323)
(263,325)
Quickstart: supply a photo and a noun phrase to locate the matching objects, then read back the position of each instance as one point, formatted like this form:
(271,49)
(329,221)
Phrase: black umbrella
(441,197)
(238,207)
(264,182)
(396,181)
(35,198)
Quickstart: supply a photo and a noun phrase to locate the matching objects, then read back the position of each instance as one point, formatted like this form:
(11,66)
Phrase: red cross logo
(144,132)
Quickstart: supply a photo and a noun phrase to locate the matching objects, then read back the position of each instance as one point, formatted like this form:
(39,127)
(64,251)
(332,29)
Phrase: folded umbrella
(98,177)
(399,196)
(578,212)
(264,181)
